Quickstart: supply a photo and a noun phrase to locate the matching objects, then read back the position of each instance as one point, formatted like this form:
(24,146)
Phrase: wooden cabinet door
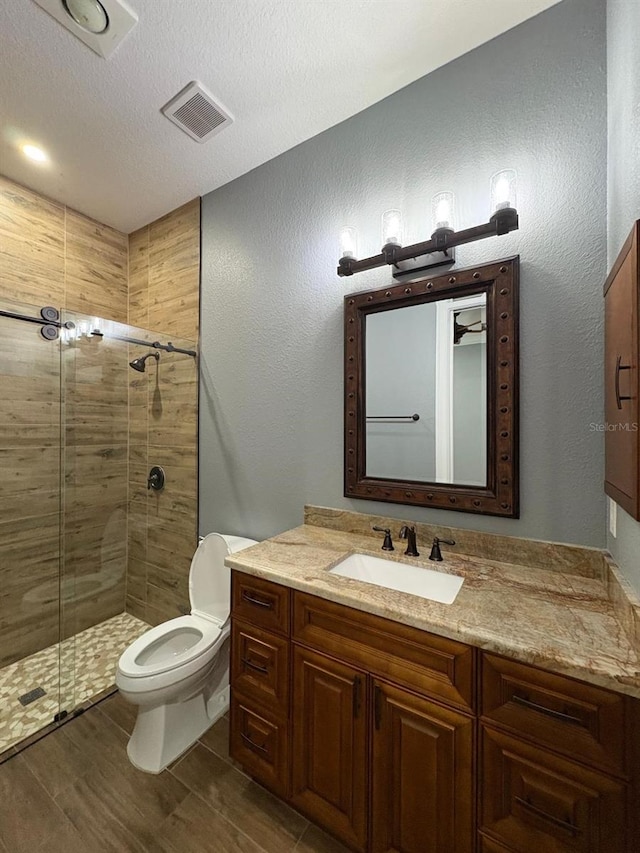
(330,745)
(622,379)
(422,775)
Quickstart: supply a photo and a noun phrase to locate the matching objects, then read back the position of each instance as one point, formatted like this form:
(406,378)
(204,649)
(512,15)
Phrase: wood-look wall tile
(139,278)
(175,579)
(31,246)
(30,482)
(137,579)
(96,269)
(138,609)
(173,303)
(174,242)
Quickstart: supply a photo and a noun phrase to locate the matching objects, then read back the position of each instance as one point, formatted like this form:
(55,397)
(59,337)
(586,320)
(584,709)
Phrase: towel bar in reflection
(407,419)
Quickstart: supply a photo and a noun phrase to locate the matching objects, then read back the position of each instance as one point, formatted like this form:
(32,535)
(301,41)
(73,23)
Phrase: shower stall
(90,554)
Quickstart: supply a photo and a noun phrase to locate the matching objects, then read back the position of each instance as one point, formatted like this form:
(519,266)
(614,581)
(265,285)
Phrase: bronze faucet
(409,533)
(387,545)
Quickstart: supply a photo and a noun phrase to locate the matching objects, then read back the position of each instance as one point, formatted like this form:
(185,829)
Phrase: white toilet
(178,672)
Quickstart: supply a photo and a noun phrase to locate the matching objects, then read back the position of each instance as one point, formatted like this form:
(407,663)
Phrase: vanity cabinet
(260,680)
(396,740)
(556,759)
(622,377)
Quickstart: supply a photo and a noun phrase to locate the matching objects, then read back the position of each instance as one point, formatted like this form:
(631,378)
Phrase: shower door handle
(155,480)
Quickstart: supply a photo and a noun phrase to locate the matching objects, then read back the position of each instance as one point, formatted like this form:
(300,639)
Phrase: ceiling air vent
(195,112)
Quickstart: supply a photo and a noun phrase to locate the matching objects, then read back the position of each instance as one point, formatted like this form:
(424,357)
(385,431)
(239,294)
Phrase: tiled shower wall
(52,255)
(164,295)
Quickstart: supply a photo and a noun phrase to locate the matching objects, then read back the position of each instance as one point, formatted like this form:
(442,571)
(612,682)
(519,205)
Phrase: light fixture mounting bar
(502,222)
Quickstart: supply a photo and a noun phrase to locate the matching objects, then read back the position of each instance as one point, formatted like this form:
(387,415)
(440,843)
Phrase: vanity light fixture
(348,243)
(440,249)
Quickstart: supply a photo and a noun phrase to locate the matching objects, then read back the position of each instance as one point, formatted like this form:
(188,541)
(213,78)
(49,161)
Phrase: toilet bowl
(178,673)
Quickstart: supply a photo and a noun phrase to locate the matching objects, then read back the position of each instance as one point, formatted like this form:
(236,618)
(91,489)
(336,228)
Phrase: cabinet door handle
(252,744)
(357,690)
(557,715)
(619,367)
(377,707)
(251,600)
(258,668)
(565,824)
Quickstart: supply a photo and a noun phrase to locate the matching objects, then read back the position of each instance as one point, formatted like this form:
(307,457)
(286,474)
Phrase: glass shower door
(30,595)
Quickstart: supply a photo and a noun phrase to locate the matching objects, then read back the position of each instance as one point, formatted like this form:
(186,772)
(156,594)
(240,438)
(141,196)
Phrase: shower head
(139,364)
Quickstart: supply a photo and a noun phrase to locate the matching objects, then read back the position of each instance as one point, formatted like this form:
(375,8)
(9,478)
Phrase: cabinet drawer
(260,602)
(400,653)
(260,666)
(260,744)
(569,716)
(533,801)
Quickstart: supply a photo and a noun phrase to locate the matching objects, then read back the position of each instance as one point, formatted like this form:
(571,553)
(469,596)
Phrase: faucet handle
(387,545)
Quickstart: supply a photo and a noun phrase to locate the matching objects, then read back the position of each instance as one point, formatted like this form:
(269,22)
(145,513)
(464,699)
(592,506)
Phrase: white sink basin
(436,586)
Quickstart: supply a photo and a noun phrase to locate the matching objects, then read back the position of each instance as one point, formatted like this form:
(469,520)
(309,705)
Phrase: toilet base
(163,733)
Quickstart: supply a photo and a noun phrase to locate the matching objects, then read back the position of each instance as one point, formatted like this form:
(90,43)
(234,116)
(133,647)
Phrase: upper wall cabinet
(622,378)
(431,391)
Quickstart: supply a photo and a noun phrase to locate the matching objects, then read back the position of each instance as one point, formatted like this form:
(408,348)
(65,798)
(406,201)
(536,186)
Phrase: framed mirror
(431,391)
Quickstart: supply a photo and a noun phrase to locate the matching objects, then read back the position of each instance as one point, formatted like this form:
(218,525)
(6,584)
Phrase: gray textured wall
(623,79)
(271,403)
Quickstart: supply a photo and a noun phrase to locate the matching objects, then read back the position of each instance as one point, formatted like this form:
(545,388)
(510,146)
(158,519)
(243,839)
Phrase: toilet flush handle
(155,480)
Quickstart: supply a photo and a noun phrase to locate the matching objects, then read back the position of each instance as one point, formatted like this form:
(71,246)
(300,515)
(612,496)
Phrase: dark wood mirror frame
(499,280)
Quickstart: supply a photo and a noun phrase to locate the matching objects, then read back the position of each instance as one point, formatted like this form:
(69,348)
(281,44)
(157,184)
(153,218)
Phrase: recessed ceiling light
(34,153)
(88,14)
(100,24)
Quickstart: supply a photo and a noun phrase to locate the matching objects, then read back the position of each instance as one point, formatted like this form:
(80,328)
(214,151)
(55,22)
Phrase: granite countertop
(555,619)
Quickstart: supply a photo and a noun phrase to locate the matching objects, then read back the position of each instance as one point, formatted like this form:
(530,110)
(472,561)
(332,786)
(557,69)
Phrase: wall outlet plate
(613,517)
(122,20)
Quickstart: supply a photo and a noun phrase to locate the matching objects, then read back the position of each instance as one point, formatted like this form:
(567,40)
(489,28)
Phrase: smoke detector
(101,24)
(195,111)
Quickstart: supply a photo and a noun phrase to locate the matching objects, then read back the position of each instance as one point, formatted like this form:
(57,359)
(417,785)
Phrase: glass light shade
(443,210)
(349,242)
(503,190)
(392,228)
(88,14)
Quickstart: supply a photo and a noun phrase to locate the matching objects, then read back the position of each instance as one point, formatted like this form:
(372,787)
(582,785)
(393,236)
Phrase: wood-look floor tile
(28,815)
(217,738)
(194,827)
(265,819)
(314,840)
(97,811)
(56,762)
(119,711)
(65,840)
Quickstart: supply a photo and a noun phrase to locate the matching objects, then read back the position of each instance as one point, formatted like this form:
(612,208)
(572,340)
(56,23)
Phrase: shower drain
(31,696)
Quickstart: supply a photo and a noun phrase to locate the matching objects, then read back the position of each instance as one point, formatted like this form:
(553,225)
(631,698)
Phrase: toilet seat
(167,655)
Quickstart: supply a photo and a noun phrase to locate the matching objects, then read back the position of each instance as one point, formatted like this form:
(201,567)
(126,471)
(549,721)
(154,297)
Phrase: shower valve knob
(155,480)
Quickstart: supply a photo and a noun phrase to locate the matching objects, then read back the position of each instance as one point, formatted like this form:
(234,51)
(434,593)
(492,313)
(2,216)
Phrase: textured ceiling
(286,69)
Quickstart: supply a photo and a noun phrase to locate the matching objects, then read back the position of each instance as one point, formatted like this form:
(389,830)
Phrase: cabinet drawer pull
(252,744)
(557,715)
(258,668)
(257,601)
(565,824)
(377,707)
(619,367)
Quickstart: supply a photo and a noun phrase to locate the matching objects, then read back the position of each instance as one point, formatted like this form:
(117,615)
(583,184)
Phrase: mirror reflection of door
(426,392)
